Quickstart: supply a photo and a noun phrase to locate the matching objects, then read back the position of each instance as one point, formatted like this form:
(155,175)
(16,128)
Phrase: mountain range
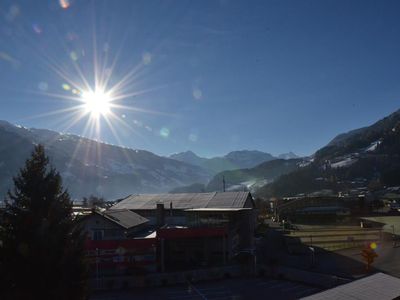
(90,167)
(250,179)
(368,157)
(253,178)
(365,157)
(234,160)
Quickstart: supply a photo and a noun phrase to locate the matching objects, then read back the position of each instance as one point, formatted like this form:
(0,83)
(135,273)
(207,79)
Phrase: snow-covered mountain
(91,167)
(231,161)
(289,155)
(189,157)
(361,158)
(253,178)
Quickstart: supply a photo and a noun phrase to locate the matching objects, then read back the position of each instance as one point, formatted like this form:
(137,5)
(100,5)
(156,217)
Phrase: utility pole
(97,268)
(162,243)
(394,237)
(312,252)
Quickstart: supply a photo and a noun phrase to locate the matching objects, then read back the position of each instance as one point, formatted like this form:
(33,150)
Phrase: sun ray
(137,109)
(57,95)
(114,63)
(97,89)
(129,77)
(137,93)
(115,118)
(87,127)
(54,112)
(124,151)
(73,122)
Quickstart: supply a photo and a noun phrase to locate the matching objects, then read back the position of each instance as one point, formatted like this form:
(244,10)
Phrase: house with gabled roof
(114,224)
(197,228)
(177,207)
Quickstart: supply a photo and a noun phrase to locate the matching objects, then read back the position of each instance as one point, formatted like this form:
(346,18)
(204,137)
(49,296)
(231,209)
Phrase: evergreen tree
(41,248)
(94,201)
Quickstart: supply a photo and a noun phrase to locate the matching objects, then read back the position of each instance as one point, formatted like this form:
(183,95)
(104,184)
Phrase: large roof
(123,217)
(185,201)
(378,286)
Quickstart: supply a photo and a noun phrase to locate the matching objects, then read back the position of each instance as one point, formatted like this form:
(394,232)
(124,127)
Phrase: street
(228,289)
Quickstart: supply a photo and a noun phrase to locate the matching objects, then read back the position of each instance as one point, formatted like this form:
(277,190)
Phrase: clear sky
(209,76)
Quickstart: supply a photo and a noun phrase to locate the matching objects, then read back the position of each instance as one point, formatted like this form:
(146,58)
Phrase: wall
(118,257)
(163,279)
(109,229)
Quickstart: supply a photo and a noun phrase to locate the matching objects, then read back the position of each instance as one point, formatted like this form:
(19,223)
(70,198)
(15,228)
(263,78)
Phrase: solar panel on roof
(185,201)
(125,218)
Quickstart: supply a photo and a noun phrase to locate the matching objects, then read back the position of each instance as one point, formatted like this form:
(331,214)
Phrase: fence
(163,279)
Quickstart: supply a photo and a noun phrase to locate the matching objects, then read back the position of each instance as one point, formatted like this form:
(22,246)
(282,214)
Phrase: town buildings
(172,231)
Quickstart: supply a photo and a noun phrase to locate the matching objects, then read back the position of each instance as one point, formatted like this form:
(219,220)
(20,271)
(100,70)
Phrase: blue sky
(209,76)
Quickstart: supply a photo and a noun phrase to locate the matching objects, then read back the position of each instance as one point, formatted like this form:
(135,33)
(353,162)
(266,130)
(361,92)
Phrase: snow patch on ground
(304,163)
(373,146)
(343,163)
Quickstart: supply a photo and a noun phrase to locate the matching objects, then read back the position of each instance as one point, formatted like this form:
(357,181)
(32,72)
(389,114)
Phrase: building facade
(200,229)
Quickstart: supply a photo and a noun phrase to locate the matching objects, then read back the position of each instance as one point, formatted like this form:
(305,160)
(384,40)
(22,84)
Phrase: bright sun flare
(97,102)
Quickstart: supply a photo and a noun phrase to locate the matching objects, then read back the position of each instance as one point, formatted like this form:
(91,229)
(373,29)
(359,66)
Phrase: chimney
(223,183)
(160,214)
(170,209)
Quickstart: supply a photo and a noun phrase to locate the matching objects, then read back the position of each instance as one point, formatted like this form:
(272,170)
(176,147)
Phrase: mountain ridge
(240,159)
(116,172)
(367,157)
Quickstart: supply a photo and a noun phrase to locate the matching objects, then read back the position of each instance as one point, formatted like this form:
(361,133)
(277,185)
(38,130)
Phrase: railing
(162,279)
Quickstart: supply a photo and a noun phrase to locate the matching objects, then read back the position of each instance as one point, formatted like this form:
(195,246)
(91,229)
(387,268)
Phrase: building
(115,224)
(319,209)
(321,214)
(118,243)
(197,229)
(175,206)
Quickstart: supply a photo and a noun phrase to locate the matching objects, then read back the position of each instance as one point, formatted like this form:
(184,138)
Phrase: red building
(197,229)
(118,243)
(170,232)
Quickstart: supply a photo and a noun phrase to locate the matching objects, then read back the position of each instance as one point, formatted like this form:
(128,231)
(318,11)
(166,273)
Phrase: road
(228,289)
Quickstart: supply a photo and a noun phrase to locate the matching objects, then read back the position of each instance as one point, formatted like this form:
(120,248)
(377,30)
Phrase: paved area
(388,260)
(230,289)
(272,250)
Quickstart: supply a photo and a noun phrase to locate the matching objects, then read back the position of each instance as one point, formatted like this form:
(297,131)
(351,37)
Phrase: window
(97,235)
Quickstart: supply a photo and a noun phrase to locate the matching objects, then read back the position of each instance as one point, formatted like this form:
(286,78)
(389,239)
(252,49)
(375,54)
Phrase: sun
(97,103)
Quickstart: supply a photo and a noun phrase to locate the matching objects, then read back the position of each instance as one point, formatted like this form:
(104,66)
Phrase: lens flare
(373,245)
(64,4)
(66,86)
(164,132)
